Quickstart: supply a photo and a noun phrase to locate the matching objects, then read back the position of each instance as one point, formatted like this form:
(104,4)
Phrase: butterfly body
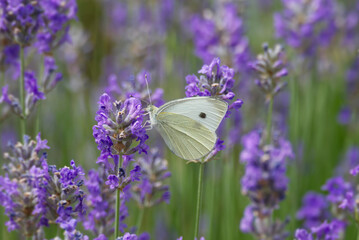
(188,125)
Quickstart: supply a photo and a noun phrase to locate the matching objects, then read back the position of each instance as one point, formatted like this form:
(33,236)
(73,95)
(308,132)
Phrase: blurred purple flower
(57,16)
(20,20)
(301,234)
(354,171)
(314,210)
(306,25)
(264,182)
(332,230)
(349,162)
(151,190)
(336,188)
(348,202)
(32,88)
(350,25)
(329,231)
(134,87)
(100,201)
(221,34)
(344,116)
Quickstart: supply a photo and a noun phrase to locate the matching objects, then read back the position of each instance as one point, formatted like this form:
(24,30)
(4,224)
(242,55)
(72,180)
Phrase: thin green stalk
(269,120)
(140,219)
(22,92)
(40,83)
(199,199)
(118,204)
(2,78)
(28,238)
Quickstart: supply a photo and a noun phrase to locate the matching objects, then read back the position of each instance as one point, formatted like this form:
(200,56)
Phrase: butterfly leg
(148,125)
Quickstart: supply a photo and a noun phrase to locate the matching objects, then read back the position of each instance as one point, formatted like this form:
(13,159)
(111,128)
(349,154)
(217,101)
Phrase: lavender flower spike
(35,194)
(20,20)
(306,25)
(119,125)
(151,190)
(270,68)
(215,80)
(265,183)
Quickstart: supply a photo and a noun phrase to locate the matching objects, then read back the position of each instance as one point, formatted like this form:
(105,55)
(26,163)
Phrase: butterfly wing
(187,138)
(206,110)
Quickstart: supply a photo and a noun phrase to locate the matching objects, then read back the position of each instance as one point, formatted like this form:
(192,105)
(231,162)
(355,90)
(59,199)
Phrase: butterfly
(188,125)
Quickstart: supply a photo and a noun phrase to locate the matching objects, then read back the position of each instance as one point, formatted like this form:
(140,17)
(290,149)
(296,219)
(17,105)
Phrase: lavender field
(176,120)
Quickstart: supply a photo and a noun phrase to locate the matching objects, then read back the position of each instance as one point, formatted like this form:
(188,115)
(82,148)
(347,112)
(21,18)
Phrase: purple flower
(32,88)
(350,25)
(349,162)
(314,210)
(247,221)
(306,25)
(256,224)
(10,100)
(264,179)
(134,87)
(57,16)
(336,188)
(113,181)
(151,190)
(354,171)
(221,34)
(264,182)
(301,234)
(330,231)
(119,124)
(100,202)
(270,68)
(5,97)
(348,202)
(50,76)
(20,20)
(344,116)
(219,146)
(36,193)
(215,80)
(101,185)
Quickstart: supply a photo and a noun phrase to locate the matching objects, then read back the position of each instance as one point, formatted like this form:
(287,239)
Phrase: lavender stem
(40,83)
(118,203)
(269,120)
(22,92)
(140,219)
(199,199)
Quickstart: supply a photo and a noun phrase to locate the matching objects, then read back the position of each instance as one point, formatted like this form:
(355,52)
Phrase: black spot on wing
(202,115)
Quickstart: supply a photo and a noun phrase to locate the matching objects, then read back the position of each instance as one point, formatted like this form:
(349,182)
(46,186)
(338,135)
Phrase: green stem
(22,92)
(40,83)
(199,199)
(28,238)
(140,219)
(2,78)
(269,121)
(118,204)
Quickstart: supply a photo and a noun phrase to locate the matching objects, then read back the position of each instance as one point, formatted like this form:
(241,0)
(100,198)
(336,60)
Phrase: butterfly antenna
(148,89)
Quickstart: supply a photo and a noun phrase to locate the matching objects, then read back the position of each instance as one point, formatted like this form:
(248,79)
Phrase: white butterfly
(188,125)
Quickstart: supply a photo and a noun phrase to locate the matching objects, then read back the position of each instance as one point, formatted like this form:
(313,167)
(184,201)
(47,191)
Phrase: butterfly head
(152,111)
